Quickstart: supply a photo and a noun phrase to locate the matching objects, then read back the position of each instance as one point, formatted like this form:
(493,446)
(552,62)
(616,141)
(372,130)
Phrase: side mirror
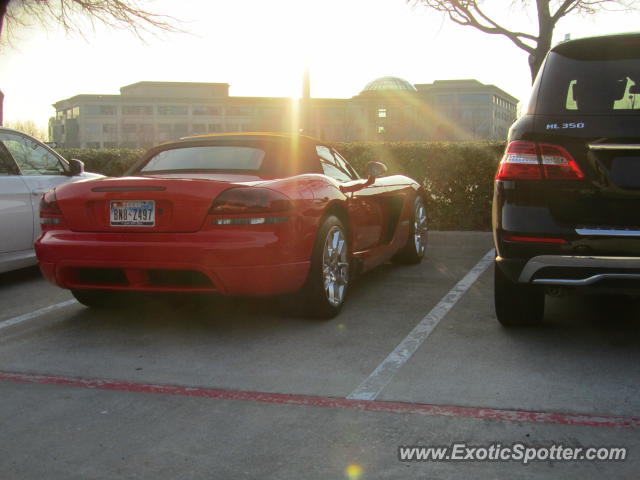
(376,169)
(76,167)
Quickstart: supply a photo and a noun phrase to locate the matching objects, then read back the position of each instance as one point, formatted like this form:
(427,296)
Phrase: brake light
(50,213)
(49,204)
(558,164)
(522,239)
(244,200)
(525,160)
(520,162)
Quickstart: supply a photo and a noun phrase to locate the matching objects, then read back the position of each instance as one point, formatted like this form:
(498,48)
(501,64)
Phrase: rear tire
(96,298)
(326,288)
(517,305)
(416,246)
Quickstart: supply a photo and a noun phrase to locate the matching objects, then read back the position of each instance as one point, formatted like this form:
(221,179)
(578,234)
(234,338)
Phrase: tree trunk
(545,34)
(536,58)
(3,11)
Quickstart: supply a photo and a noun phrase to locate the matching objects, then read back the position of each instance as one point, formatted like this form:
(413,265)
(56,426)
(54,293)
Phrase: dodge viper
(249,214)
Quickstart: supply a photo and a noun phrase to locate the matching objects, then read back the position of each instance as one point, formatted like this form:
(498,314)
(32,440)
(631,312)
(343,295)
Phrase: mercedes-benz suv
(566,206)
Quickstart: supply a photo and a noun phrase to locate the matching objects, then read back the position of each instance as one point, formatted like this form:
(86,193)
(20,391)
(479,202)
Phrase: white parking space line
(34,314)
(371,387)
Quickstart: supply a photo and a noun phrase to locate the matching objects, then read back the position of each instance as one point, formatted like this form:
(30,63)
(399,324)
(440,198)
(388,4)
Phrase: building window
(99,109)
(137,110)
(92,128)
(110,128)
(239,111)
(268,112)
(381,129)
(110,144)
(198,128)
(205,110)
(475,98)
(93,145)
(129,128)
(382,113)
(172,110)
(180,129)
(215,127)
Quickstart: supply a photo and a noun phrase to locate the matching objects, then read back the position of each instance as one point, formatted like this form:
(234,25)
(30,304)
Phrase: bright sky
(261,47)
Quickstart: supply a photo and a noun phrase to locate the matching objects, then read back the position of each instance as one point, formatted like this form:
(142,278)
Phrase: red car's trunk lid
(141,204)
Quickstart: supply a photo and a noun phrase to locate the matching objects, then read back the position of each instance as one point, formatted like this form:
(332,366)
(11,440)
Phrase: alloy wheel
(420,228)
(335,266)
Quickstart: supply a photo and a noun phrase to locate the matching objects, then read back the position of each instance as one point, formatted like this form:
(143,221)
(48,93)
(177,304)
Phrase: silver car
(28,168)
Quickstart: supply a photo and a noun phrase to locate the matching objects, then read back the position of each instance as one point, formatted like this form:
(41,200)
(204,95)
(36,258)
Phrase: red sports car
(236,214)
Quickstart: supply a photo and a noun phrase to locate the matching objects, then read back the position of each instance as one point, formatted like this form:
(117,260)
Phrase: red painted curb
(517,416)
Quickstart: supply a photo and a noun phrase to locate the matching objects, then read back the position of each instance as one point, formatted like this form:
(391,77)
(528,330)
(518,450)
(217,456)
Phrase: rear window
(207,158)
(592,82)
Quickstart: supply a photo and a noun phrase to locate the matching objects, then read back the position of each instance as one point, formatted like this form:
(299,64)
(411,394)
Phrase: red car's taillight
(50,213)
(244,200)
(525,160)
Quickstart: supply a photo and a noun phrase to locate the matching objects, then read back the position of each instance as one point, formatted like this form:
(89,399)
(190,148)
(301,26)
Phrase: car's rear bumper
(250,262)
(573,271)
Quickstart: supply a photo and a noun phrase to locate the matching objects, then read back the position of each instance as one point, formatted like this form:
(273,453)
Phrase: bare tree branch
(29,127)
(566,7)
(116,14)
(470,13)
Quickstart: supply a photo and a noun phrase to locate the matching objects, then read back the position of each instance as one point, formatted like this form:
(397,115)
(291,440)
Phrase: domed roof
(389,83)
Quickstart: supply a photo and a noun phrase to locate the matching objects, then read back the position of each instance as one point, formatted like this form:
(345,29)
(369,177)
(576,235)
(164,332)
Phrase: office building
(387,109)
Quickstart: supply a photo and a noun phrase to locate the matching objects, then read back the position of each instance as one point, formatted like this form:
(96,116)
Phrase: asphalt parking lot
(234,388)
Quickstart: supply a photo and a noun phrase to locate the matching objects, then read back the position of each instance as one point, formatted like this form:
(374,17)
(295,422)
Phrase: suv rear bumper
(578,271)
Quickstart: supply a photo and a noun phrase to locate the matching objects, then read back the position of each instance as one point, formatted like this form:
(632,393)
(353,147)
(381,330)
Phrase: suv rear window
(582,78)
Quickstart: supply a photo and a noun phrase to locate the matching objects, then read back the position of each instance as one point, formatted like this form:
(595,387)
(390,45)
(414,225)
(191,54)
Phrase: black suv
(566,206)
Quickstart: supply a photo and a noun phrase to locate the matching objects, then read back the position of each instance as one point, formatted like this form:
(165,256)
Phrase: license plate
(132,213)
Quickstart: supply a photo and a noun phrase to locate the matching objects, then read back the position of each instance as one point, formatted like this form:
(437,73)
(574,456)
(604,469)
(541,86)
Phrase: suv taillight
(520,162)
(534,161)
(558,164)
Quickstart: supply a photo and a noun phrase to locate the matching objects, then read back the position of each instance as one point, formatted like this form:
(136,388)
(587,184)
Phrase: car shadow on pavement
(22,276)
(604,323)
(192,317)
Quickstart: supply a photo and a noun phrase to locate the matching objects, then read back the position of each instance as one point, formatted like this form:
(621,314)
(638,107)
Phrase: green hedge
(107,162)
(458,177)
